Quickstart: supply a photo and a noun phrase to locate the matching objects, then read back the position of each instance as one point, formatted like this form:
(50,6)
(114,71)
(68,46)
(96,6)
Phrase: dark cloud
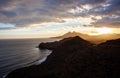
(111,14)
(111,21)
(110,7)
(114,7)
(7,13)
(26,12)
(4,2)
(94,1)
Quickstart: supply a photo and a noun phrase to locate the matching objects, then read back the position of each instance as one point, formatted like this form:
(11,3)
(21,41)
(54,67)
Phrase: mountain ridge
(75,58)
(96,39)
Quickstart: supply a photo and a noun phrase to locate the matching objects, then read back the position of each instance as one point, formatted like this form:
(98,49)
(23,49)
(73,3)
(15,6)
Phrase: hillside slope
(75,58)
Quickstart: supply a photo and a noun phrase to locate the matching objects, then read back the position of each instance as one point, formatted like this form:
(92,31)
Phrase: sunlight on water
(20,53)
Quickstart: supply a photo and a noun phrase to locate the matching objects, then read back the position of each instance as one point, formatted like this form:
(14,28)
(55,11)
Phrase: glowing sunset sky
(47,18)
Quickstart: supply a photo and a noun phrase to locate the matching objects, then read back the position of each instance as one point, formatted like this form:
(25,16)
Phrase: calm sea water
(17,53)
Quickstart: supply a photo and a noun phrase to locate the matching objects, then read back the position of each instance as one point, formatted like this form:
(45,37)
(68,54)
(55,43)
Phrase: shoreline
(74,58)
(36,62)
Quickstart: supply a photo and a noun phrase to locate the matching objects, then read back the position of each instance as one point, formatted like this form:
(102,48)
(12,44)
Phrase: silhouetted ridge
(112,42)
(97,39)
(75,58)
(65,42)
(72,34)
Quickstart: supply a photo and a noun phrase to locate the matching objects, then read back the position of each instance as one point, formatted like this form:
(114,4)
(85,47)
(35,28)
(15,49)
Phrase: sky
(50,18)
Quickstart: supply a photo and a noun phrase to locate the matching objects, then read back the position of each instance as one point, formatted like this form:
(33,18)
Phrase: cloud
(4,2)
(23,13)
(26,12)
(114,6)
(94,2)
(111,21)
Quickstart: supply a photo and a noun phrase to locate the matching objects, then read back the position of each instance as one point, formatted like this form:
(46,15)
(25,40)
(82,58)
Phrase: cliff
(75,58)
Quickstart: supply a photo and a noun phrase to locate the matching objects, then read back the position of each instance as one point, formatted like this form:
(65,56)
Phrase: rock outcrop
(75,58)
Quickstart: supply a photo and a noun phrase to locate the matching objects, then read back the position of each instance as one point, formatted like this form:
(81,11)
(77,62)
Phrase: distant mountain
(73,34)
(103,38)
(94,39)
(113,43)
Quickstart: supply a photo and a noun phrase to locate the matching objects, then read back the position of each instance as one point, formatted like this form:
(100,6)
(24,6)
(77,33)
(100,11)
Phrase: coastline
(36,62)
(75,57)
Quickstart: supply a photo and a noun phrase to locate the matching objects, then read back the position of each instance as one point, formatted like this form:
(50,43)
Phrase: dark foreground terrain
(76,58)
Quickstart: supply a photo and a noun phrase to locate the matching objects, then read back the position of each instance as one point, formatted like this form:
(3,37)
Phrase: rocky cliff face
(75,58)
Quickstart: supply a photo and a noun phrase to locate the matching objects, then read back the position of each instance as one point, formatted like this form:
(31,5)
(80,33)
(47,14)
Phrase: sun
(104,30)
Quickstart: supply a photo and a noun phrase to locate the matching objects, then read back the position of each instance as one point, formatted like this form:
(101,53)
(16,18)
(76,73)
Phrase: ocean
(17,53)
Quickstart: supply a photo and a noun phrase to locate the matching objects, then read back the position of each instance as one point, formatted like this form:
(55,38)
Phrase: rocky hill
(75,58)
(65,41)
